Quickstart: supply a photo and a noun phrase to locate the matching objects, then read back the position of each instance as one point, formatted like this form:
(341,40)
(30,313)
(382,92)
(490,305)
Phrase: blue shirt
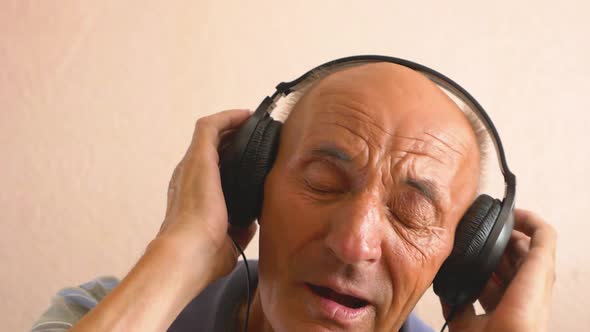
(214,309)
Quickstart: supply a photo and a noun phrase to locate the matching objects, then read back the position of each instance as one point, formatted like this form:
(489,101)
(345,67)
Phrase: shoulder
(214,307)
(70,304)
(209,311)
(414,324)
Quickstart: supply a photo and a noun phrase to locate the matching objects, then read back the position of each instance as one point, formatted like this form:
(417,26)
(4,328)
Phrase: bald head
(382,109)
(387,85)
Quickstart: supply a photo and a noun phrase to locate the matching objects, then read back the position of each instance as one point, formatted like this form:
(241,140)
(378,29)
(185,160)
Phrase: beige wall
(98,101)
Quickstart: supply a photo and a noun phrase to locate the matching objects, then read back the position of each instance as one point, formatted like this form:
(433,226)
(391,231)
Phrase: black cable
(449,317)
(247,286)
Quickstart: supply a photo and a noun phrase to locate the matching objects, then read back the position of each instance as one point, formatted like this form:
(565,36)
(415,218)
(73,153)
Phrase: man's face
(375,168)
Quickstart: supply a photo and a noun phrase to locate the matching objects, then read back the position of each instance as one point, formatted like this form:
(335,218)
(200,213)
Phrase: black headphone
(481,236)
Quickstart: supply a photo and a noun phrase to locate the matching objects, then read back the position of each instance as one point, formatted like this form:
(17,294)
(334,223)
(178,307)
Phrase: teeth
(345,300)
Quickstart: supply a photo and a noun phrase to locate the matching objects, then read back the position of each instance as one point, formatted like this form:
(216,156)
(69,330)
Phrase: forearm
(154,292)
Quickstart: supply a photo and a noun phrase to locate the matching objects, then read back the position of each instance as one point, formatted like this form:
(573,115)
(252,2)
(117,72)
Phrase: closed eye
(412,209)
(322,177)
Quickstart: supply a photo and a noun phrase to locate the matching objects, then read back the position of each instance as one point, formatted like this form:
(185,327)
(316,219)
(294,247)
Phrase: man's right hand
(196,218)
(192,248)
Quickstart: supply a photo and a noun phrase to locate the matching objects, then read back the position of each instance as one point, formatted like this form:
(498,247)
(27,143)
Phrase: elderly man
(347,241)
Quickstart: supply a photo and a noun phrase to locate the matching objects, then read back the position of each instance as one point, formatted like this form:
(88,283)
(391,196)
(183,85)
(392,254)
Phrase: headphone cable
(450,317)
(247,286)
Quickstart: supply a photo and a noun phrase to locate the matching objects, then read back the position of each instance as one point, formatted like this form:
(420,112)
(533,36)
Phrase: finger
(492,293)
(510,261)
(225,139)
(208,129)
(226,135)
(517,249)
(201,160)
(531,288)
(543,240)
(542,235)
(505,270)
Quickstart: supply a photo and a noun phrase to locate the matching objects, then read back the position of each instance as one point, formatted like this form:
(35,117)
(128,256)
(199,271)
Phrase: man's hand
(196,216)
(192,248)
(518,296)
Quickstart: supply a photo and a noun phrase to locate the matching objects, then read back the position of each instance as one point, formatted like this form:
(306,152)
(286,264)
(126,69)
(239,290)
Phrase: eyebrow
(426,187)
(331,152)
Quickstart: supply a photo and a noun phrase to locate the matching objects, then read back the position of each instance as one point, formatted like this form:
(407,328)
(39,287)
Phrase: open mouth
(342,299)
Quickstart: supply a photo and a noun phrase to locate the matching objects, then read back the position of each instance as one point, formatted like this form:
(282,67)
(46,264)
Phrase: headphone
(481,235)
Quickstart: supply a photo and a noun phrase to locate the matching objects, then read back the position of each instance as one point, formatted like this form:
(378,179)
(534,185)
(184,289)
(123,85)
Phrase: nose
(354,236)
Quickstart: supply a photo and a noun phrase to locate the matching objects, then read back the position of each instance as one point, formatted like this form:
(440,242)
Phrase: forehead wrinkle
(419,153)
(432,148)
(376,132)
(391,144)
(370,123)
(409,167)
(351,117)
(350,102)
(361,148)
(446,144)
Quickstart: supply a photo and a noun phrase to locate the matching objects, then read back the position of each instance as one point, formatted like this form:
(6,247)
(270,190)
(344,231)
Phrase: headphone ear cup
(474,228)
(266,154)
(256,162)
(452,282)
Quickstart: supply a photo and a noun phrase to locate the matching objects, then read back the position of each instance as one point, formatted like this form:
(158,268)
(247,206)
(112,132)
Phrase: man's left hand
(518,296)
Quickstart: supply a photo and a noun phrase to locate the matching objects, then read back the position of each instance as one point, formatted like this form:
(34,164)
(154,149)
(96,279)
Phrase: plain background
(98,100)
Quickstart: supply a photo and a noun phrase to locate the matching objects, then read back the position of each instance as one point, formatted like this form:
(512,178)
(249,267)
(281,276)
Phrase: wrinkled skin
(347,198)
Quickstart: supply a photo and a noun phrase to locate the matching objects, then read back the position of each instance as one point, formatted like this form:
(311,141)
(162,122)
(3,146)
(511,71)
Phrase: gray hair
(286,104)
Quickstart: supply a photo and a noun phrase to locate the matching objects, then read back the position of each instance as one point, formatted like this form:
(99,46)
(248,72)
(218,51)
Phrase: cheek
(286,229)
(287,224)
(289,219)
(280,217)
(425,248)
(412,262)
